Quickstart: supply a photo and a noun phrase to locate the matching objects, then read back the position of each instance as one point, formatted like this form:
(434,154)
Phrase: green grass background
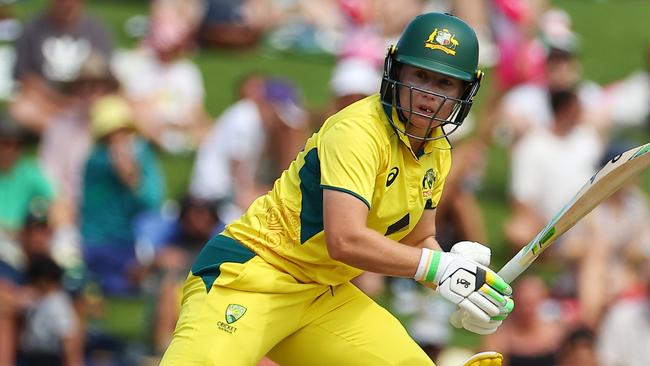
(614,35)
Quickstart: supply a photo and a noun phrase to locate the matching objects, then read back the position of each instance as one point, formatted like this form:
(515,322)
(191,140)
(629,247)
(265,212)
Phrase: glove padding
(474,251)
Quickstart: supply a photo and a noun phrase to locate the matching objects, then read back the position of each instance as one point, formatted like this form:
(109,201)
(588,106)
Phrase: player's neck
(416,144)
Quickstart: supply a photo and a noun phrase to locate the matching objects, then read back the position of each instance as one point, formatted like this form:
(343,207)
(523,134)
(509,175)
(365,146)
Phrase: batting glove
(482,296)
(474,251)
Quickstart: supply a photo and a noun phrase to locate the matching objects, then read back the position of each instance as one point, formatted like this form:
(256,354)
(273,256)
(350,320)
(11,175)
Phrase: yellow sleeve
(350,157)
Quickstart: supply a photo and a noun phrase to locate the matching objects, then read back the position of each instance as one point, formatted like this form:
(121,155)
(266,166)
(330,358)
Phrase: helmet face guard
(390,91)
(438,43)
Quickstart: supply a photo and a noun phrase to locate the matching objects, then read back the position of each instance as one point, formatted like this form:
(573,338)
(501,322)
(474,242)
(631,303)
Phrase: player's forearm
(371,251)
(429,242)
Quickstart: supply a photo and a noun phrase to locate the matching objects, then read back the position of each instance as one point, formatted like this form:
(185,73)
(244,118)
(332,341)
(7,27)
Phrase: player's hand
(460,318)
(481,294)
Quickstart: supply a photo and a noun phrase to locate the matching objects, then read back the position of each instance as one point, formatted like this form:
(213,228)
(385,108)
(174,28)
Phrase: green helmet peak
(439,43)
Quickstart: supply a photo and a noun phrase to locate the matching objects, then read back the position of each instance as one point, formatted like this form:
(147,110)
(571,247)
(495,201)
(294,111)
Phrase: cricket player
(361,196)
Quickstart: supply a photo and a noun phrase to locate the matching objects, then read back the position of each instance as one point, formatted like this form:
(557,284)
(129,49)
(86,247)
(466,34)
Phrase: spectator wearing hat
(121,180)
(165,87)
(268,115)
(353,79)
(49,54)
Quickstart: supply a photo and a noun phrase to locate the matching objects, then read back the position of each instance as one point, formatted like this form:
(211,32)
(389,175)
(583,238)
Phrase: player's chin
(423,123)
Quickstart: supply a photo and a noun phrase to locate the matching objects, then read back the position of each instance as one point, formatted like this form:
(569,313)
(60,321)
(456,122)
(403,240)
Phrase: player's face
(427,105)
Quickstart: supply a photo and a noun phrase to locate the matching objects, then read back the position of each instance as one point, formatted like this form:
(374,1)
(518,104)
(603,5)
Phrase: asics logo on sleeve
(391,176)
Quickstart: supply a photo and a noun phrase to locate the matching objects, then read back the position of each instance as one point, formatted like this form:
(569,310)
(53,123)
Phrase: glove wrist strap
(430,261)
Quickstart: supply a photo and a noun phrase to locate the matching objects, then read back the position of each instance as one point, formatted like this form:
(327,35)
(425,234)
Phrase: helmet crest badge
(443,40)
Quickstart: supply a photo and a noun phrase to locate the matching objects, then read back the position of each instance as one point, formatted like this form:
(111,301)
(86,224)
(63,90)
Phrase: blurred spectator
(624,333)
(304,26)
(567,152)
(352,80)
(164,87)
(10,29)
(628,100)
(121,180)
(579,349)
(269,115)
(67,140)
(15,291)
(236,23)
(50,51)
(521,54)
(528,106)
(22,184)
(50,334)
(531,336)
(197,223)
(65,144)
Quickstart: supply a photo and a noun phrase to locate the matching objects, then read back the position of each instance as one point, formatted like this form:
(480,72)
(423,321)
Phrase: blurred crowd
(85,216)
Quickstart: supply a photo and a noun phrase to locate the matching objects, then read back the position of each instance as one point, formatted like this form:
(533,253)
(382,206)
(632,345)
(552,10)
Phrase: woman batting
(361,196)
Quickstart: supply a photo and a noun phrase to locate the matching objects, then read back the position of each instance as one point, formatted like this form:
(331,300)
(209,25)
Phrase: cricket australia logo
(443,40)
(234,312)
(427,184)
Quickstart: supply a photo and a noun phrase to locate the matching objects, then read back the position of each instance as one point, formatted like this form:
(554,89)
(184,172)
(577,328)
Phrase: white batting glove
(482,296)
(472,250)
(460,318)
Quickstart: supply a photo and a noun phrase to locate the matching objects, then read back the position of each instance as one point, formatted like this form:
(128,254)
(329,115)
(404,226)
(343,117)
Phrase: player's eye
(421,75)
(445,82)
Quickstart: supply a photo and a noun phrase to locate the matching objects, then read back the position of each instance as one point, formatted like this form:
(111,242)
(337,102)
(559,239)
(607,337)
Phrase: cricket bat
(601,185)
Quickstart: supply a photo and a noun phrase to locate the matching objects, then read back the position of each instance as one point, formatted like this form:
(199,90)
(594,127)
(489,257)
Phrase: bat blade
(599,187)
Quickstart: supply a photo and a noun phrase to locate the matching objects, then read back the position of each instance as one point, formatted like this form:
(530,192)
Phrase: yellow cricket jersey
(356,151)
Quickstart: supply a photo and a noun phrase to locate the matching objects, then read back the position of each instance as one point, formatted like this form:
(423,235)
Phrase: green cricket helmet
(440,43)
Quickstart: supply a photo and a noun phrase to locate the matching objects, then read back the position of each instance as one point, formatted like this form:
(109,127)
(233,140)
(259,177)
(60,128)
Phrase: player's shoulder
(362,119)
